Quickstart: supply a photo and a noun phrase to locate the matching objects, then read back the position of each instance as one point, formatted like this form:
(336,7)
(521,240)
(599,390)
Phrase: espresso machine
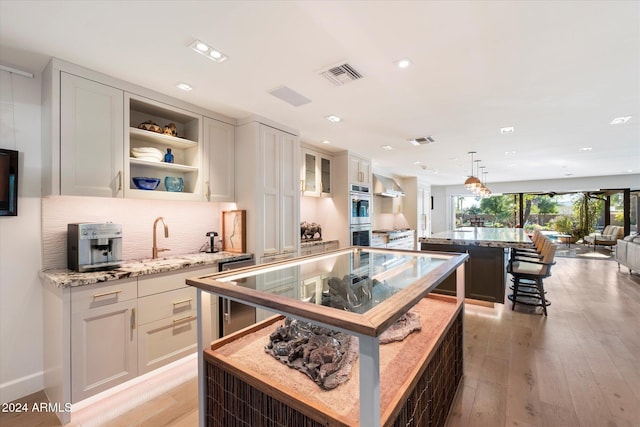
(94,246)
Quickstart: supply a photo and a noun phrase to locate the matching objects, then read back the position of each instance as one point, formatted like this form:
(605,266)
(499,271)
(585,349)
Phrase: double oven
(360,216)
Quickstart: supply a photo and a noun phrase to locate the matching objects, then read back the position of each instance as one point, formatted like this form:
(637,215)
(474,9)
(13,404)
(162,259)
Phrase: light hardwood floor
(580,366)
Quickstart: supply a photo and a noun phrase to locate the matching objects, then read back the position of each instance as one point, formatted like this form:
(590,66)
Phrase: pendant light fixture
(472,182)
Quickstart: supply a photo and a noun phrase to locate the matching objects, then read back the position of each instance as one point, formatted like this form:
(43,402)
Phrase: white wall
(20,248)
(442,214)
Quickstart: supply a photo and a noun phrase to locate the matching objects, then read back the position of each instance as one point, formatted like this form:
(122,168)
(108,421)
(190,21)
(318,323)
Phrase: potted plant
(565,226)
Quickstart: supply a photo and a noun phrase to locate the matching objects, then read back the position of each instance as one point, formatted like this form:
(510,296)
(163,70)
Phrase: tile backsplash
(187,221)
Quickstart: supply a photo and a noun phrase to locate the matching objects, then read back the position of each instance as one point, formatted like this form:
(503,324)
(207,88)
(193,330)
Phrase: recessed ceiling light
(620,120)
(210,52)
(417,162)
(585,149)
(326,142)
(403,63)
(333,118)
(387,147)
(508,129)
(184,86)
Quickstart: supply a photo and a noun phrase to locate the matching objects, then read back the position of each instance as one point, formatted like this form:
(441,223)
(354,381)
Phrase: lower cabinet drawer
(166,304)
(99,295)
(166,340)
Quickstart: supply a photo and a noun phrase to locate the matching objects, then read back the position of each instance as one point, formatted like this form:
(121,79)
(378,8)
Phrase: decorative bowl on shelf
(173,183)
(145,183)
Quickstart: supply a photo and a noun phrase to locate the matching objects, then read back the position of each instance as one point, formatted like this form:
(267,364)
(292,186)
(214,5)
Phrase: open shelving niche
(186,148)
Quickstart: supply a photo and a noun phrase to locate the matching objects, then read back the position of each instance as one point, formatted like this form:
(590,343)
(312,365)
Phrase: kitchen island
(486,268)
(360,293)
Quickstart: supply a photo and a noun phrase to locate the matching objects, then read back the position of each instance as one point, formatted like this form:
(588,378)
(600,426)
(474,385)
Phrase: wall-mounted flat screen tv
(8,182)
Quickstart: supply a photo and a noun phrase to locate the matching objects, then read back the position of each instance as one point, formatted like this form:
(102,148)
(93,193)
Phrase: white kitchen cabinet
(167,328)
(186,148)
(315,173)
(423,228)
(103,337)
(360,170)
(91,138)
(219,168)
(267,186)
(90,123)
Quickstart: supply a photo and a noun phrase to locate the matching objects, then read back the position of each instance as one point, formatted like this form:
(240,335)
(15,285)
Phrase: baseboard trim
(20,387)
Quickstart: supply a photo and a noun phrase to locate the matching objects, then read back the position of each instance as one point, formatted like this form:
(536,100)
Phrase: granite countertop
(316,243)
(64,278)
(482,236)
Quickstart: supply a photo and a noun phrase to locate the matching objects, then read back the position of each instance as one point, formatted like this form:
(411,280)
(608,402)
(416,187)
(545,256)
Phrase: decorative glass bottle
(168,158)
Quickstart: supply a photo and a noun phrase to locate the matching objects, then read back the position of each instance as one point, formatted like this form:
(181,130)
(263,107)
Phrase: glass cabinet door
(310,173)
(325,175)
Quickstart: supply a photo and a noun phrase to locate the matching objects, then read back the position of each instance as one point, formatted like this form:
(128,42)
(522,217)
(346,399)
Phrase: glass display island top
(357,290)
(360,291)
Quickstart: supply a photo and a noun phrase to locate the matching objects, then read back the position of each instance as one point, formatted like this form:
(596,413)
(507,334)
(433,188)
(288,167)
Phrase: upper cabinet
(183,138)
(91,138)
(99,133)
(315,174)
(360,170)
(219,169)
(268,186)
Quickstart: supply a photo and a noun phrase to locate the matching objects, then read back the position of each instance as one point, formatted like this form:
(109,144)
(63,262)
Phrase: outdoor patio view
(565,217)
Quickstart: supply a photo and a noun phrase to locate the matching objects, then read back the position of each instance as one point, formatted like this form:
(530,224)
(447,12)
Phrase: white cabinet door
(280,191)
(315,174)
(270,148)
(289,193)
(360,170)
(309,173)
(219,140)
(103,348)
(92,138)
(424,212)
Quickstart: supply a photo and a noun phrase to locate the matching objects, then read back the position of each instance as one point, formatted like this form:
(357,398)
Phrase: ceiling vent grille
(424,140)
(341,74)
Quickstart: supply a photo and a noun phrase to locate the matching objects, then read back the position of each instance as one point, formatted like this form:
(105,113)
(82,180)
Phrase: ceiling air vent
(424,140)
(341,74)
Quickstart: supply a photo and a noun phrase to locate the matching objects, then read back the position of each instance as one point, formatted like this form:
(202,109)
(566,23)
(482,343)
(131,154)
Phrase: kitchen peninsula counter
(481,236)
(486,268)
(64,278)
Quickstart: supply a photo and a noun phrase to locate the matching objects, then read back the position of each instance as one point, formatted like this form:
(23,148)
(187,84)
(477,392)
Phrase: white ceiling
(557,71)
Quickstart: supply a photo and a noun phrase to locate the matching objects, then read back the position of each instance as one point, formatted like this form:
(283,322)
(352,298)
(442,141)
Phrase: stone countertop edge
(65,278)
(484,244)
(316,243)
(483,237)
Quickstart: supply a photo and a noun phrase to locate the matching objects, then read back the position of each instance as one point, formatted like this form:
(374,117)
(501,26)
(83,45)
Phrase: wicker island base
(418,378)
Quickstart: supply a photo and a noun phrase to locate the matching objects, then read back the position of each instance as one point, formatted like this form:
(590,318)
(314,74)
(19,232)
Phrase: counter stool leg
(514,296)
(542,297)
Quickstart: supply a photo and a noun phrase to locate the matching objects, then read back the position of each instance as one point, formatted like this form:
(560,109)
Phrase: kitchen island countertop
(64,278)
(482,236)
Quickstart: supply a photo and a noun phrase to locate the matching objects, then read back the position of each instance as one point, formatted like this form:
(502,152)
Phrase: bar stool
(528,273)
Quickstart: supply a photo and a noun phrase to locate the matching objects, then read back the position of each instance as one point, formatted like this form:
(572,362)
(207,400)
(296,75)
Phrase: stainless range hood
(386,187)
